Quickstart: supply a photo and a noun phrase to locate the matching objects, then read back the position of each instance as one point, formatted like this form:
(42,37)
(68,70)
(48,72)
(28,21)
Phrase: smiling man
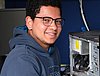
(33,52)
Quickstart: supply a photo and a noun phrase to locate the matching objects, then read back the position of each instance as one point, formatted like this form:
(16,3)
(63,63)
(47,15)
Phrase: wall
(9,18)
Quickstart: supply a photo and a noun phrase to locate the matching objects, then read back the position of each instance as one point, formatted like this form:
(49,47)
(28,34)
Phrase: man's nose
(53,25)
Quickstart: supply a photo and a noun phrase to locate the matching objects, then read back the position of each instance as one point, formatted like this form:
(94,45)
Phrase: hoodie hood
(21,37)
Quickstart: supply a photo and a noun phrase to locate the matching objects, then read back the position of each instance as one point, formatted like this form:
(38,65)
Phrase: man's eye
(58,21)
(47,20)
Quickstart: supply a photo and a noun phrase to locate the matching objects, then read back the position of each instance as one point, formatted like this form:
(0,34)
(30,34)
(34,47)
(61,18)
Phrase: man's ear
(29,22)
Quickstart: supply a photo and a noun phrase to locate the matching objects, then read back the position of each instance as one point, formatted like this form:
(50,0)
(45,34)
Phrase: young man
(33,52)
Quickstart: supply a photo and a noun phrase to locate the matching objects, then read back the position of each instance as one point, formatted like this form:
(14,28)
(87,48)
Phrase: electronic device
(84,53)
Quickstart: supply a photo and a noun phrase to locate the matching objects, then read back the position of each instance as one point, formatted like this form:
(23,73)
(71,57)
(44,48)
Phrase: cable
(83,17)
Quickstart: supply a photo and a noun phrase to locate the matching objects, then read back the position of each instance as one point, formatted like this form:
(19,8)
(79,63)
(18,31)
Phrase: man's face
(46,34)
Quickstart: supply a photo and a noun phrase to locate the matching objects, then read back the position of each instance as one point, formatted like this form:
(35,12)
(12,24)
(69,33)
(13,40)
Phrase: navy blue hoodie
(28,58)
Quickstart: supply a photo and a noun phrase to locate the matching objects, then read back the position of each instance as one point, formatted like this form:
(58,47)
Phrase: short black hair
(33,6)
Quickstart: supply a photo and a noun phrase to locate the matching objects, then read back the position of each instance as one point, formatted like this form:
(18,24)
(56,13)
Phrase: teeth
(51,33)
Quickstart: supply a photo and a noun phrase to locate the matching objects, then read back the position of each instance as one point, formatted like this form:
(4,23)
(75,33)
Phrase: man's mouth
(51,34)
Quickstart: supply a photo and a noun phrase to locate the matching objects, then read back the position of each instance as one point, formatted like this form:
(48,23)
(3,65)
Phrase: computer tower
(84,53)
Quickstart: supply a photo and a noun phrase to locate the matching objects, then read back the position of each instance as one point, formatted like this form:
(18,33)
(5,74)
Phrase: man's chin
(50,43)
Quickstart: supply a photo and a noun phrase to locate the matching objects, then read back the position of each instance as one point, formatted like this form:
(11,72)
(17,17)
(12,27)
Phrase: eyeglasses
(47,21)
